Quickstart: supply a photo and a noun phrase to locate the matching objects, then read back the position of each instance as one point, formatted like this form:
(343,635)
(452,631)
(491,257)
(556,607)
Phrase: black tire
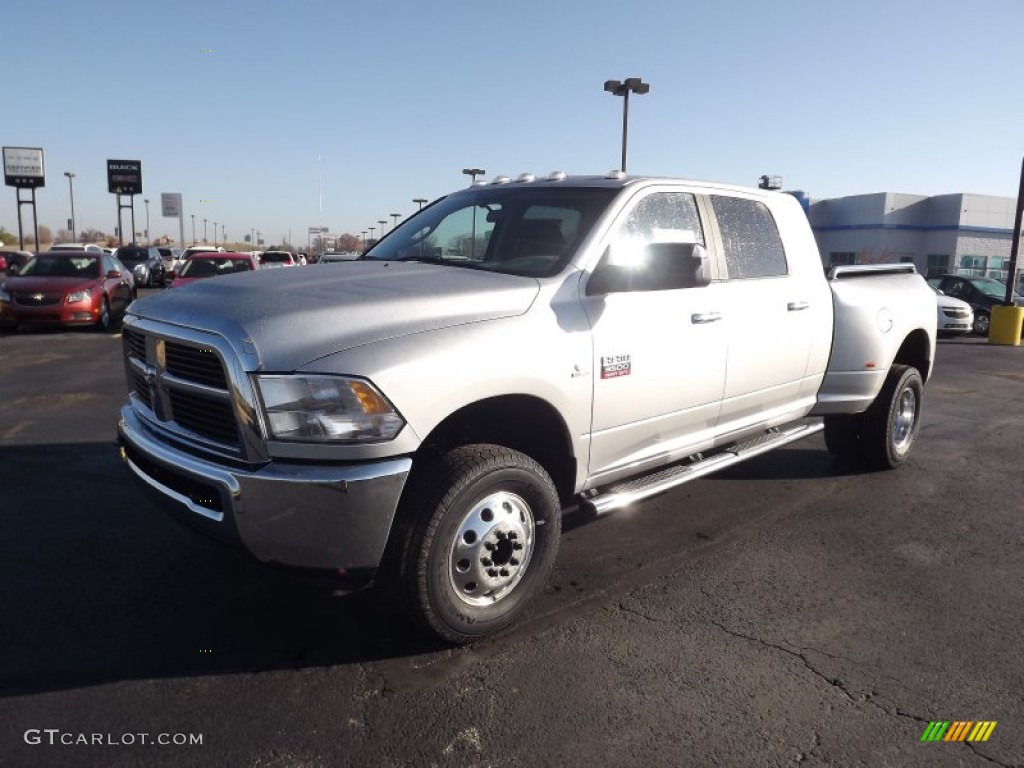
(149,279)
(103,321)
(981,323)
(890,426)
(842,436)
(476,538)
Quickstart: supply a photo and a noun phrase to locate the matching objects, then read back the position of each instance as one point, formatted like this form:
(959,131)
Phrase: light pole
(394,222)
(624,88)
(215,233)
(382,223)
(419,201)
(193,229)
(71,190)
(223,234)
(204,231)
(364,238)
(146,201)
(473,173)
(371,231)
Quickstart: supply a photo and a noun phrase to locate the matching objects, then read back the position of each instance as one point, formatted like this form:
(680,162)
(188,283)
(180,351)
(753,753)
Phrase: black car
(146,264)
(980,292)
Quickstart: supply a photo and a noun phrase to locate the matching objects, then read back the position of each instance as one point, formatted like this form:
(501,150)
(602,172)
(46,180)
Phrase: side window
(750,238)
(663,217)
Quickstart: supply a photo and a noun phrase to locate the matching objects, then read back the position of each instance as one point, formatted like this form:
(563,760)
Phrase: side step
(624,494)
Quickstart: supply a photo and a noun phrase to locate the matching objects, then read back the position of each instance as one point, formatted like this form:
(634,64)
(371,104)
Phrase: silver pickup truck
(421,417)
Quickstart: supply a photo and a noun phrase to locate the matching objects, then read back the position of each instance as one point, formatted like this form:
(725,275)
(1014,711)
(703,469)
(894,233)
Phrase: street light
(371,232)
(473,173)
(394,223)
(624,88)
(223,234)
(146,201)
(193,229)
(204,231)
(215,233)
(419,201)
(71,189)
(382,223)
(364,237)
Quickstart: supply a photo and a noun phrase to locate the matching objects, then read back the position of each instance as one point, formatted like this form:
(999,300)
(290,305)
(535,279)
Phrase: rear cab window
(751,243)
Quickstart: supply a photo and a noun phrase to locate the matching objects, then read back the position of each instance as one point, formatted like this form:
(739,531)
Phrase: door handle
(798,306)
(702,318)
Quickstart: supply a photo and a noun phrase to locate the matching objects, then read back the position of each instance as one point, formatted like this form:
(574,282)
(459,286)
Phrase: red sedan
(67,288)
(202,265)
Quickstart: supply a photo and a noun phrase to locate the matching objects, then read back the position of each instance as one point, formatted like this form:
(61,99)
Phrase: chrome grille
(184,386)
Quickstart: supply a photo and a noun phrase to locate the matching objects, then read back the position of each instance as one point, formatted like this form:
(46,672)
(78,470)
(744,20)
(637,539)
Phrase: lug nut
(504,572)
(492,572)
(489,546)
(502,535)
(513,535)
(513,561)
(486,561)
(517,545)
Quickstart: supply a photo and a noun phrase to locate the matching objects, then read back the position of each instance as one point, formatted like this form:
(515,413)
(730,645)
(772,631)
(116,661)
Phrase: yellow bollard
(1006,325)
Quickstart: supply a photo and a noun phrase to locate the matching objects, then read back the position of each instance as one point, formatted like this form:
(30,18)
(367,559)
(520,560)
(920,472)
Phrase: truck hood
(291,317)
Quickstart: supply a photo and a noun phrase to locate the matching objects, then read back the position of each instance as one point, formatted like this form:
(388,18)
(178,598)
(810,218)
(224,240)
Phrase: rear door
(772,309)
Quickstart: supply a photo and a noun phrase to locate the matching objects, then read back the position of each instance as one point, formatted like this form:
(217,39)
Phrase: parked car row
(979,293)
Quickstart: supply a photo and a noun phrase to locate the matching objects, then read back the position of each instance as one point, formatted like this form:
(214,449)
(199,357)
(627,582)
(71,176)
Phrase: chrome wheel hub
(492,548)
(906,416)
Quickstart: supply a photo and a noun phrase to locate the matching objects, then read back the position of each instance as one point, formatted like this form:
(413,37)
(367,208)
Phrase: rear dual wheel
(476,540)
(883,436)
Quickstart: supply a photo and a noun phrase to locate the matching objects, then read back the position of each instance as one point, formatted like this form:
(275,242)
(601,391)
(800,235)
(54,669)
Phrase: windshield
(82,265)
(132,254)
(531,231)
(203,267)
(990,286)
(284,258)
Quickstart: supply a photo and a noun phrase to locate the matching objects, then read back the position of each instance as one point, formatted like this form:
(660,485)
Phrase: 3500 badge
(615,365)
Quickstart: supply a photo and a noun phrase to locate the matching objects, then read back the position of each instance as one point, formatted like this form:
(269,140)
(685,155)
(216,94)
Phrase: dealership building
(956,233)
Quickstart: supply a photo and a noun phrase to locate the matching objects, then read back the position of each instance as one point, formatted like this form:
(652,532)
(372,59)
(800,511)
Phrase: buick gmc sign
(124,177)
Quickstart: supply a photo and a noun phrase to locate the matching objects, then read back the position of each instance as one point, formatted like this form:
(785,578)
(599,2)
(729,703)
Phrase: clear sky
(231,104)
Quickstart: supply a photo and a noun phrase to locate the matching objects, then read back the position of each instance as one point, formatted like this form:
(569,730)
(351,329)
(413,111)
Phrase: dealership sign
(170,202)
(23,167)
(124,177)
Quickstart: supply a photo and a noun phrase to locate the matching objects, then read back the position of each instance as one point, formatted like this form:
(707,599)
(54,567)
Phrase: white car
(87,247)
(954,316)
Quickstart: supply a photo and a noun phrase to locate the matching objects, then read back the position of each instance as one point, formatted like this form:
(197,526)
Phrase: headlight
(329,409)
(77,296)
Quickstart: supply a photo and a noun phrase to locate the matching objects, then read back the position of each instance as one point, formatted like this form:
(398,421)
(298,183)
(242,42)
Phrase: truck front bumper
(302,515)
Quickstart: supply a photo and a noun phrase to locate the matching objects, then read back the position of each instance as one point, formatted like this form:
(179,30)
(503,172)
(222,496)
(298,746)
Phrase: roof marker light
(616,174)
(526,177)
(557,176)
(501,180)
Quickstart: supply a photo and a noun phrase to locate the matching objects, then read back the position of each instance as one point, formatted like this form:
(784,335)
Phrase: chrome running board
(624,494)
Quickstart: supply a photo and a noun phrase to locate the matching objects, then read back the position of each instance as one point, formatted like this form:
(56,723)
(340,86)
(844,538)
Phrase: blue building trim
(913,228)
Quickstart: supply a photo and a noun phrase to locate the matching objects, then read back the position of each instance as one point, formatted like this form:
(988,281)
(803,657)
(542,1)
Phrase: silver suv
(146,264)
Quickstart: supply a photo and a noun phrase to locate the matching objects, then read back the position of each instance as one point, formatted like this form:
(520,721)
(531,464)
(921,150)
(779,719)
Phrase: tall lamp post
(473,173)
(215,233)
(624,88)
(394,220)
(193,229)
(383,223)
(364,238)
(204,231)
(371,231)
(419,201)
(146,201)
(71,190)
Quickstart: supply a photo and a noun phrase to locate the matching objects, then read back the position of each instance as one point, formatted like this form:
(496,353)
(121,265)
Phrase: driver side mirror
(113,274)
(655,267)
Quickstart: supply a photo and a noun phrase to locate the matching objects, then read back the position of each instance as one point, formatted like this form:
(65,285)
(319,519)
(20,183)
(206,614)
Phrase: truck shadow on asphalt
(99,586)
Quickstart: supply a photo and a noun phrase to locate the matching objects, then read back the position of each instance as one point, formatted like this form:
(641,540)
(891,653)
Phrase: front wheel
(889,427)
(477,539)
(981,323)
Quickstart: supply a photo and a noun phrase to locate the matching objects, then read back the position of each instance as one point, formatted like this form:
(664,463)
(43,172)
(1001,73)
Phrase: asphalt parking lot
(788,611)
